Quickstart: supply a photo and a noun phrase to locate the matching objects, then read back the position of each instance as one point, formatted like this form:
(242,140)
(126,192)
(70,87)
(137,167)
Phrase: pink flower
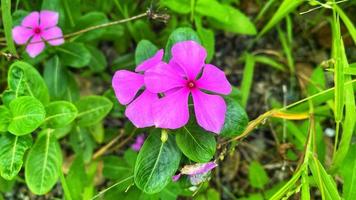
(36,28)
(140,139)
(127,84)
(180,78)
(196,172)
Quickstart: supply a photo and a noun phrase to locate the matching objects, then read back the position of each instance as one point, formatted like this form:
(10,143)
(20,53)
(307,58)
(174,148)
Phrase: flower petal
(162,77)
(21,34)
(31,20)
(150,62)
(209,110)
(126,84)
(190,56)
(139,111)
(48,19)
(172,110)
(53,36)
(140,139)
(35,46)
(214,79)
(175,65)
(199,168)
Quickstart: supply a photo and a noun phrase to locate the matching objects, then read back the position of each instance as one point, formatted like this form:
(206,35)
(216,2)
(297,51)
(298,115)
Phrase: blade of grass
(348,23)
(269,61)
(7,21)
(247,78)
(287,49)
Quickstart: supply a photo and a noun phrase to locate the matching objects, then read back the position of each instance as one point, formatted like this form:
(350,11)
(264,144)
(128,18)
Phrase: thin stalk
(7,21)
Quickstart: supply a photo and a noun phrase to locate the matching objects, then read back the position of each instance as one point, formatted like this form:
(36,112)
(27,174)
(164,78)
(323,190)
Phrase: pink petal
(172,110)
(162,77)
(173,64)
(199,168)
(21,34)
(209,110)
(190,56)
(48,19)
(53,36)
(214,79)
(35,46)
(126,84)
(139,111)
(138,142)
(31,20)
(150,62)
(175,178)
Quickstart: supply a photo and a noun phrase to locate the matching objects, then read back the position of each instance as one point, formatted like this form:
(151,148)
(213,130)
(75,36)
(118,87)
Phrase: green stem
(64,185)
(7,21)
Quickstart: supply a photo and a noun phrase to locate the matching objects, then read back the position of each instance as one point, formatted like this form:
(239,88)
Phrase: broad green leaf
(72,91)
(27,115)
(77,178)
(181,7)
(286,7)
(5,118)
(8,96)
(257,175)
(92,109)
(236,119)
(98,132)
(88,20)
(144,50)
(60,113)
(179,35)
(12,150)
(56,77)
(116,168)
(348,172)
(43,162)
(195,143)
(25,80)
(98,61)
(156,163)
(74,55)
(225,17)
(82,143)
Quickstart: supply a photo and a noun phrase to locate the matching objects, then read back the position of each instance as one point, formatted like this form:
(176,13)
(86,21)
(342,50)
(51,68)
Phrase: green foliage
(257,175)
(348,172)
(27,115)
(12,150)
(92,109)
(74,55)
(195,143)
(56,78)
(144,50)
(43,163)
(156,163)
(60,114)
(5,118)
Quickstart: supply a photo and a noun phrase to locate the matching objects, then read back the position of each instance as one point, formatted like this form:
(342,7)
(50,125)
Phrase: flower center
(190,84)
(37,30)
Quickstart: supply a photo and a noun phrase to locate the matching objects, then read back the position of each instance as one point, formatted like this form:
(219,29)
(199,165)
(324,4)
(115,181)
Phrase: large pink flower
(180,78)
(36,28)
(127,85)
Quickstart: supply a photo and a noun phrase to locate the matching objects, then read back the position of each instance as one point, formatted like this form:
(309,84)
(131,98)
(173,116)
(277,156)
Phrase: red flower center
(190,84)
(37,30)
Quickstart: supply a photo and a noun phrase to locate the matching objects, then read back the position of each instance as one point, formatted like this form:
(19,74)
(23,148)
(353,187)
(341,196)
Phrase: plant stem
(7,21)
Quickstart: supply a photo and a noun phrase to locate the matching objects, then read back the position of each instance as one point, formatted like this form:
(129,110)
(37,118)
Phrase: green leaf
(257,175)
(42,164)
(25,80)
(207,38)
(60,114)
(286,7)
(181,7)
(56,77)
(5,118)
(98,61)
(269,61)
(156,163)
(144,50)
(77,178)
(74,55)
(7,25)
(236,119)
(12,150)
(195,143)
(348,172)
(27,115)
(88,20)
(247,78)
(225,17)
(179,35)
(348,23)
(116,168)
(92,109)
(82,143)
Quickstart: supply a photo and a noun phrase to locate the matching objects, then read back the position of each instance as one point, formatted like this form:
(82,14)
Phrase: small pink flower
(140,139)
(180,78)
(36,28)
(196,171)
(127,84)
